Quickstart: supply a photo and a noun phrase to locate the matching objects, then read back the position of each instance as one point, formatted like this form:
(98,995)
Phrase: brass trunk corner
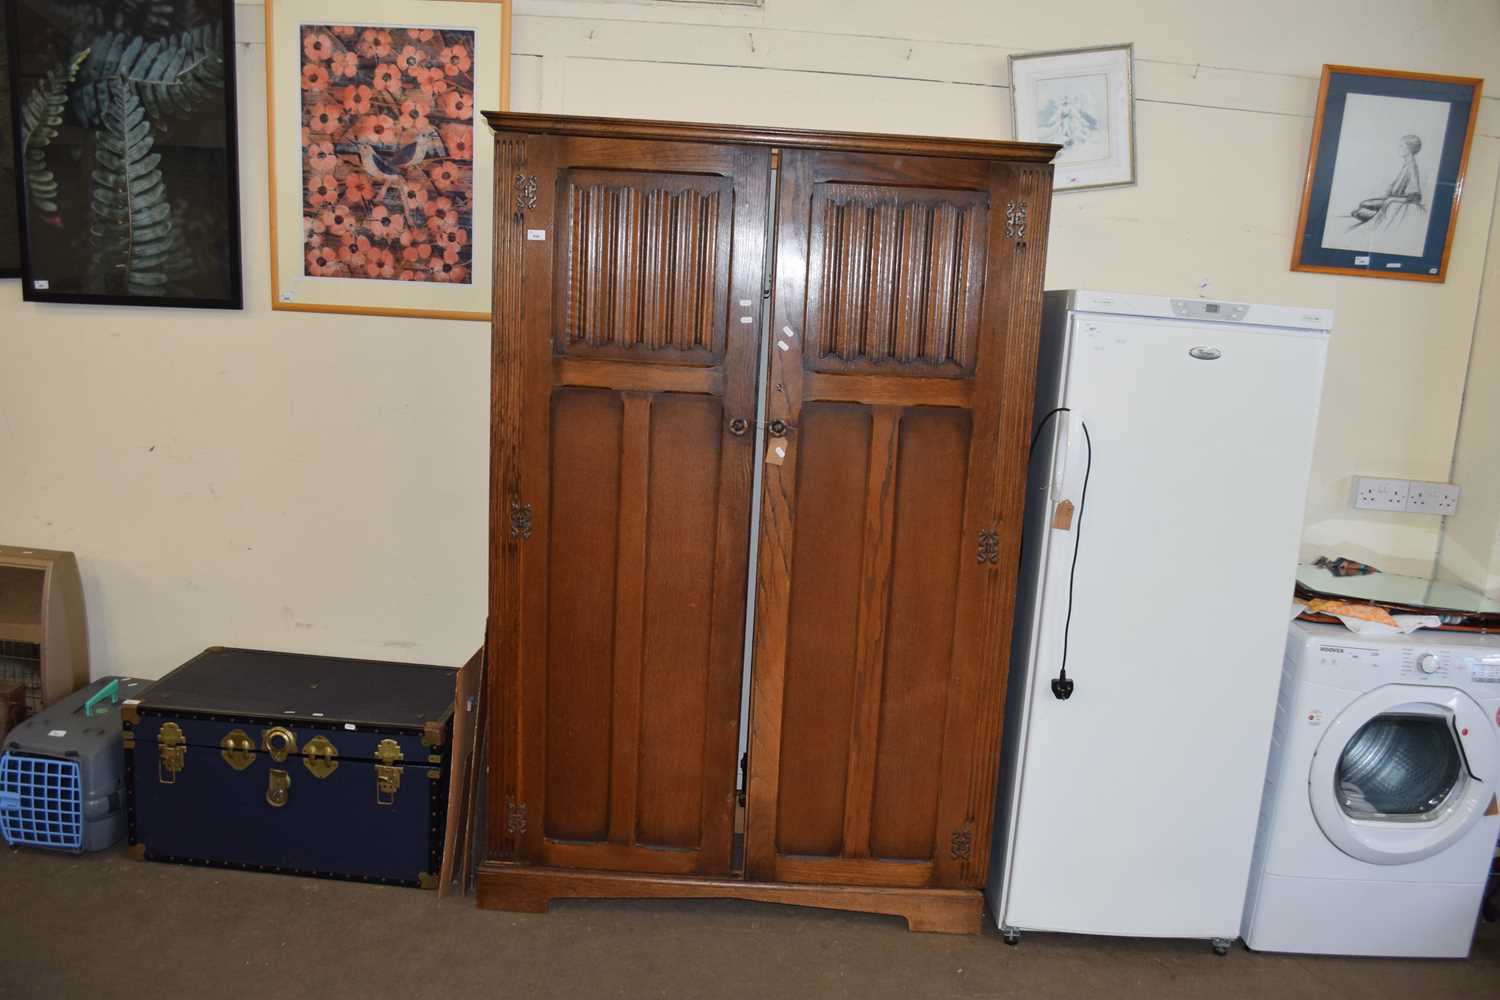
(427,880)
(434,734)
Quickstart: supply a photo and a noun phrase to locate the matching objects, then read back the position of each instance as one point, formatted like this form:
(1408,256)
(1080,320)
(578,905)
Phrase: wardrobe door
(904,334)
(630,277)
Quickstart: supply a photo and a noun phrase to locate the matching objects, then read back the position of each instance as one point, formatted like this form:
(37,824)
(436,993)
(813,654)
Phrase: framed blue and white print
(1385,173)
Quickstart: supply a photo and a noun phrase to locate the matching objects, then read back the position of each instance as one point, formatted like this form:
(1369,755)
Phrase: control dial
(1427,663)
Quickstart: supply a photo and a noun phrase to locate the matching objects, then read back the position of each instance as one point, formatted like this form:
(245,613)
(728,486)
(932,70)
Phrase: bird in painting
(390,167)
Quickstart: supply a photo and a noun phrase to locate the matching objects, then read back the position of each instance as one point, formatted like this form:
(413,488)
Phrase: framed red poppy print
(381,186)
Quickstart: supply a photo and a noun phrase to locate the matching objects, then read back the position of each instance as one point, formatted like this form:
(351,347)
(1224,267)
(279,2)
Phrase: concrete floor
(107,926)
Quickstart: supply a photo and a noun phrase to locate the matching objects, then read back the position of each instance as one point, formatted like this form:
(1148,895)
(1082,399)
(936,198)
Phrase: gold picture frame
(1385,173)
(381,181)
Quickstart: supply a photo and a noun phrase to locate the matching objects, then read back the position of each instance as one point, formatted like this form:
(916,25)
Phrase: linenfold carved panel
(895,278)
(643,265)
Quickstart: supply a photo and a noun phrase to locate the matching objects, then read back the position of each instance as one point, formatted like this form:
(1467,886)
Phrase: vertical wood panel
(586,443)
(630,608)
(680,529)
(994,502)
(927,542)
(507,390)
(870,653)
(646,272)
(822,625)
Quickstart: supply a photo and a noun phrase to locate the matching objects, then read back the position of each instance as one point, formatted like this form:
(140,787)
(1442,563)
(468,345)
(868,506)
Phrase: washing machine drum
(1403,773)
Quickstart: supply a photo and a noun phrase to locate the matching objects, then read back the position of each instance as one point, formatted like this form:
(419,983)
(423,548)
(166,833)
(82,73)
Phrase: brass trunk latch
(278,787)
(320,757)
(387,772)
(172,746)
(279,742)
(237,749)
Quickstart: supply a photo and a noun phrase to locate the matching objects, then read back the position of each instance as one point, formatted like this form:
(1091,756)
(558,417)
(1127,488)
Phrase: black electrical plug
(1062,686)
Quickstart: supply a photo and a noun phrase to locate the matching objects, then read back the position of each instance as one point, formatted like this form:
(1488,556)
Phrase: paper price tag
(776,454)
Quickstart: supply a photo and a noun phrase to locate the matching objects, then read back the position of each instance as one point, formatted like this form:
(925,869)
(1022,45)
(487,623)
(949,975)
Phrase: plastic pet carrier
(62,773)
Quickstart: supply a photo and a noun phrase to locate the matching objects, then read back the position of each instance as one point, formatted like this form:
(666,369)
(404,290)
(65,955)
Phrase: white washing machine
(1380,814)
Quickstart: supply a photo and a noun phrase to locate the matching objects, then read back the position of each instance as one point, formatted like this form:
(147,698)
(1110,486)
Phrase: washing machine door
(1404,772)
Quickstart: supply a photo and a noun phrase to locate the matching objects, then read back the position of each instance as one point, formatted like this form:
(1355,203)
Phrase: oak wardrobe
(676,305)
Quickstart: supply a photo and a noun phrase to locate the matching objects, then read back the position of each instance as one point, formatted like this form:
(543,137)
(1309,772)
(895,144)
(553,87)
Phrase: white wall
(318,482)
(1470,550)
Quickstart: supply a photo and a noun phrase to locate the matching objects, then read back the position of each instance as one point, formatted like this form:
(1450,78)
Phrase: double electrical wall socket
(1432,498)
(1380,494)
(1410,495)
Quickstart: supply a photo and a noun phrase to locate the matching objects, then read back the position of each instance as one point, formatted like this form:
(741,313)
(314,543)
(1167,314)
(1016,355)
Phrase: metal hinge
(989,547)
(515,816)
(961,844)
(1015,223)
(520,520)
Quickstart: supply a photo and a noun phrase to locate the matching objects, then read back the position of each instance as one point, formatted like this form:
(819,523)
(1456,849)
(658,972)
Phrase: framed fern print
(381,177)
(10,223)
(125,151)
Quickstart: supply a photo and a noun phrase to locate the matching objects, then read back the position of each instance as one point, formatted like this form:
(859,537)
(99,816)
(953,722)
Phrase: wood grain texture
(877,390)
(681,531)
(993,501)
(822,627)
(646,272)
(880,638)
(871,618)
(631,510)
(596,504)
(876,670)
(507,390)
(915,146)
(629,603)
(524,889)
(896,279)
(926,540)
(637,378)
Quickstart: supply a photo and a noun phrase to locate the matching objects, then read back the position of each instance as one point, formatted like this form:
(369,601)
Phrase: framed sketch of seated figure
(1385,173)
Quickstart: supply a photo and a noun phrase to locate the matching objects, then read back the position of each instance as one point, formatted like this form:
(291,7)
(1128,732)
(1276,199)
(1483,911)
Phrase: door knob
(777,428)
(738,426)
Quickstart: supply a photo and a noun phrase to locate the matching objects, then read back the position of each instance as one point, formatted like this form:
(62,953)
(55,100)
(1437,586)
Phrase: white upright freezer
(1164,511)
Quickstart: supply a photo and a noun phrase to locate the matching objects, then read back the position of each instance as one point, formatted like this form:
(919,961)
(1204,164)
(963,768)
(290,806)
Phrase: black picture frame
(10,223)
(187,159)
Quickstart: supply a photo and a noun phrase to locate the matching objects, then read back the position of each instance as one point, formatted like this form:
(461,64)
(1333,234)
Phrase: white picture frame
(1083,100)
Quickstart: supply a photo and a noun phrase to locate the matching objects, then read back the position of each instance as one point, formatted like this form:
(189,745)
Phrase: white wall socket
(1432,498)
(1380,494)
(1412,496)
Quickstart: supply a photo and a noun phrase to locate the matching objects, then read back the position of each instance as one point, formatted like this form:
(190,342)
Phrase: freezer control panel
(1203,309)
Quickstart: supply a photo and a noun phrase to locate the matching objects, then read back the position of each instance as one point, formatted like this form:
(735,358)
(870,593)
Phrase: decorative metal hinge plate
(320,757)
(989,547)
(961,844)
(515,817)
(237,749)
(520,520)
(525,192)
(1015,223)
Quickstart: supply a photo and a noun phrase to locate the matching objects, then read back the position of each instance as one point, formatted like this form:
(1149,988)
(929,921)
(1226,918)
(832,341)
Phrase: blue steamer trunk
(283,762)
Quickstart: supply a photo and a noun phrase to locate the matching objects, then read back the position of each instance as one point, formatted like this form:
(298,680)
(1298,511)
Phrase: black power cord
(1062,684)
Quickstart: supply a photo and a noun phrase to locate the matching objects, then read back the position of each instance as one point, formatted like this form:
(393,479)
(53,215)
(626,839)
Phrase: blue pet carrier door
(41,802)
